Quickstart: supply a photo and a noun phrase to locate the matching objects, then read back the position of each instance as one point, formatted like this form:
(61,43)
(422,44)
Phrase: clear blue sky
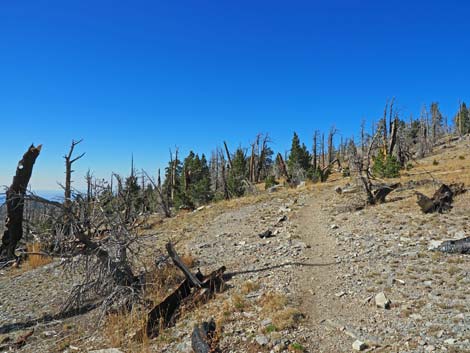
(143,76)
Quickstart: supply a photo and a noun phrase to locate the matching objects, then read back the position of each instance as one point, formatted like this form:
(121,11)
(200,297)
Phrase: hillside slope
(310,287)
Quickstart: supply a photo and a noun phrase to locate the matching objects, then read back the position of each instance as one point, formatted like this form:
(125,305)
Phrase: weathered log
(165,313)
(460,246)
(177,261)
(15,203)
(442,199)
(203,338)
(381,193)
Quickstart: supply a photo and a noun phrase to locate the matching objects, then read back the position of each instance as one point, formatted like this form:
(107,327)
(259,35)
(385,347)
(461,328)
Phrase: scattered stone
(262,340)
(359,345)
(382,301)
(340,294)
(450,341)
(334,226)
(338,190)
(107,350)
(266,234)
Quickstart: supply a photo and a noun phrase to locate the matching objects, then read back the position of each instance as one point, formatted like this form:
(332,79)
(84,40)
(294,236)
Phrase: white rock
(382,301)
(262,340)
(359,345)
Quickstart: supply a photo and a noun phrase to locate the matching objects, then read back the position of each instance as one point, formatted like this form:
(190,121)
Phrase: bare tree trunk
(224,178)
(262,158)
(393,136)
(252,164)
(330,144)
(228,155)
(15,203)
(314,151)
(68,175)
(323,149)
(282,166)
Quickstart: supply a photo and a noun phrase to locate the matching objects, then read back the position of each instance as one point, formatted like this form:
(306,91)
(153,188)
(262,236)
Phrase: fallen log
(459,246)
(203,338)
(194,290)
(442,199)
(381,193)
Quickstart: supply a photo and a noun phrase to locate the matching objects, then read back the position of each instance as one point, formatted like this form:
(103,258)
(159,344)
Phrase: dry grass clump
(249,287)
(127,329)
(36,260)
(275,306)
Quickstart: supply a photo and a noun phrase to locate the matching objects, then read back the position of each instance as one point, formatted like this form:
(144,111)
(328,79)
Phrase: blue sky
(144,76)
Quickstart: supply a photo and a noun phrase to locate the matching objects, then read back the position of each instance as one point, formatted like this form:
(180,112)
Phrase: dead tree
(314,151)
(262,159)
(374,194)
(229,158)
(330,144)
(68,175)
(442,199)
(195,289)
(251,173)
(283,167)
(15,203)
(163,201)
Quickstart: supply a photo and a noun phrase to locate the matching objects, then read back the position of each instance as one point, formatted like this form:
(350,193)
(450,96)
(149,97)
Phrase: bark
(442,199)
(282,166)
(460,246)
(15,203)
(203,338)
(194,290)
(228,155)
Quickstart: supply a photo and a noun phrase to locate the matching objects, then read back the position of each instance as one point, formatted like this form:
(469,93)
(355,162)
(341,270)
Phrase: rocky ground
(328,277)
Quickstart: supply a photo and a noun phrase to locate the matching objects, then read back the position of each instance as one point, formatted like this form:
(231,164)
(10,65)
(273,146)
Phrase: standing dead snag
(68,174)
(15,203)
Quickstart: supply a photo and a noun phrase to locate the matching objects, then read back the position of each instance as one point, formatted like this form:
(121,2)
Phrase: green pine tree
(299,157)
(462,120)
(238,174)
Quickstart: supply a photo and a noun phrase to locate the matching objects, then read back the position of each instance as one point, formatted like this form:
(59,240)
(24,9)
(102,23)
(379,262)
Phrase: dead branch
(442,199)
(203,338)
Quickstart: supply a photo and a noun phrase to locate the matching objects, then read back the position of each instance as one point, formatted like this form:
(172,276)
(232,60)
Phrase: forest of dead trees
(96,231)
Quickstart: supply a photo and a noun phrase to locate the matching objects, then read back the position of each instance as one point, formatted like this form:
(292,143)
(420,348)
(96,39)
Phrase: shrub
(270,181)
(386,167)
(435,162)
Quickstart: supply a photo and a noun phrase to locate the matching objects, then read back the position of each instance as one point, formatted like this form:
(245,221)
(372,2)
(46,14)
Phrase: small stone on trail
(266,234)
(359,345)
(382,301)
(262,340)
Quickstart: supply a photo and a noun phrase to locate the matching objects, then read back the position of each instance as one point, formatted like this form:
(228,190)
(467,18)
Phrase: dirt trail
(319,283)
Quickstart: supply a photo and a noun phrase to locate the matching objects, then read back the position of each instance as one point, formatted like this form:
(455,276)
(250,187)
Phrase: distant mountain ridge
(53,195)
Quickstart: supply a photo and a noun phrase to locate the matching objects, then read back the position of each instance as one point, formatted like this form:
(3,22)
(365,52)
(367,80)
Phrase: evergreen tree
(195,182)
(238,173)
(462,120)
(299,157)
